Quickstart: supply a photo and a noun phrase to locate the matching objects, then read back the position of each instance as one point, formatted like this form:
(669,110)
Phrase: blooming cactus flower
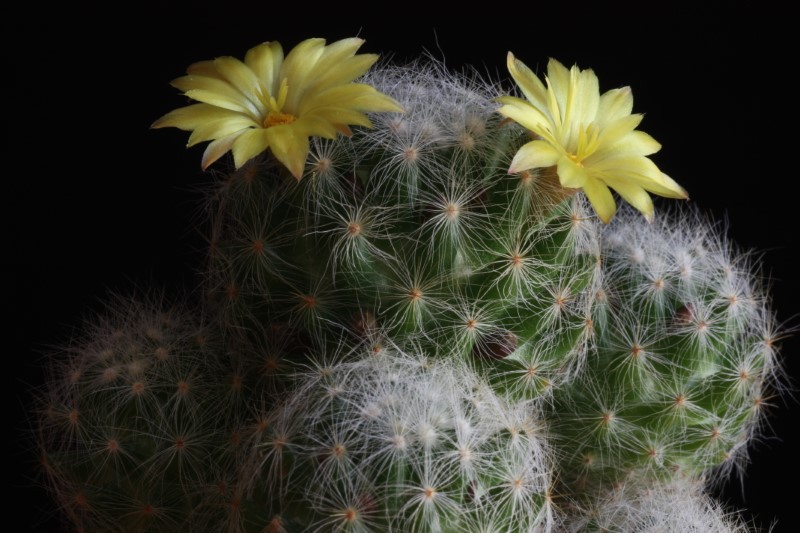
(276,102)
(589,139)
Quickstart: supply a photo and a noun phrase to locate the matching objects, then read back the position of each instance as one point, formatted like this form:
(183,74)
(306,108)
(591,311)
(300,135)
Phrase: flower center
(275,116)
(278,119)
(575,158)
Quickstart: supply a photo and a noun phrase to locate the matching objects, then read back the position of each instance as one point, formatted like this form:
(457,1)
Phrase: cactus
(402,442)
(419,325)
(679,506)
(136,420)
(685,362)
(414,231)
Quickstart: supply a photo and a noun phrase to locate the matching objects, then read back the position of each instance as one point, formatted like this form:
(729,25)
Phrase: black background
(95,200)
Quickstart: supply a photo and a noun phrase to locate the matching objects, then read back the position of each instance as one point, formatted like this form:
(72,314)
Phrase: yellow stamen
(275,117)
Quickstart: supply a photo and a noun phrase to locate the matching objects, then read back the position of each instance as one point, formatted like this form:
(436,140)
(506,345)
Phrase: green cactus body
(414,231)
(685,357)
(138,421)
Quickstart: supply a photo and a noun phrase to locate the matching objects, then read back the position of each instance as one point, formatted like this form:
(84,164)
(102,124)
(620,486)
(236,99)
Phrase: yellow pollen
(276,118)
(574,158)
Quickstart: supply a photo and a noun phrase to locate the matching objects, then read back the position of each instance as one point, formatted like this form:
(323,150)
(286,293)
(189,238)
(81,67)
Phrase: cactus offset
(685,362)
(399,442)
(136,420)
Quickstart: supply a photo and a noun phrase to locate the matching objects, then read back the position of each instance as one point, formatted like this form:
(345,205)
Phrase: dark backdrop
(95,200)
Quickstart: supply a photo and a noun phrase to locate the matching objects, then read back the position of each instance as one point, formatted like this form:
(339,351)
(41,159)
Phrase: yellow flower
(589,139)
(268,101)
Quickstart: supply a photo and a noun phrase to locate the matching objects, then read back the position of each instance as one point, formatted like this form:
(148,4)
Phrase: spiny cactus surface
(400,442)
(137,421)
(414,230)
(685,361)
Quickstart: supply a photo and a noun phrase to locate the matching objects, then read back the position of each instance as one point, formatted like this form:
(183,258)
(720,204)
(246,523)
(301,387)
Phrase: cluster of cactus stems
(411,339)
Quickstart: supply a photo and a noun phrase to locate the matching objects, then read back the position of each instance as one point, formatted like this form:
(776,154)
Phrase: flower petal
(217,149)
(249,144)
(189,117)
(570,174)
(526,115)
(216,92)
(265,61)
(217,129)
(240,76)
(204,68)
(635,143)
(558,78)
(616,130)
(297,68)
(583,98)
(354,95)
(530,85)
(338,64)
(634,195)
(614,104)
(535,154)
(601,199)
(290,149)
(641,171)
(667,187)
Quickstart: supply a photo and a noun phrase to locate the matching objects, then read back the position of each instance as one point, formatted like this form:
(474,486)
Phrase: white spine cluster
(396,442)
